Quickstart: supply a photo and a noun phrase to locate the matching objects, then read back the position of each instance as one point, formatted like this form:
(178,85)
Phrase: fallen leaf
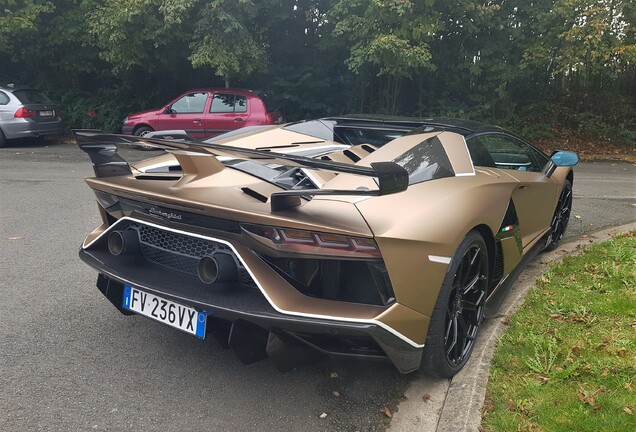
(386,411)
(576,350)
(426,397)
(577,216)
(621,352)
(590,400)
(587,367)
(597,408)
(334,375)
(336,393)
(628,387)
(628,410)
(323,415)
(16,238)
(543,378)
(296,381)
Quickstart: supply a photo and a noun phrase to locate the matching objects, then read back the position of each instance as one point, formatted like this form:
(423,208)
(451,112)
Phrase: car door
(187,113)
(535,195)
(227,112)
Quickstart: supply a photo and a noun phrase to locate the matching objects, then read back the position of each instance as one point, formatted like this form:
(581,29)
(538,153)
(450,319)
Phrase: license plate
(165,311)
(47,113)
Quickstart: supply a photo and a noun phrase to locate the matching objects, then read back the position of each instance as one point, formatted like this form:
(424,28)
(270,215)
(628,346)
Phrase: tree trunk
(227,81)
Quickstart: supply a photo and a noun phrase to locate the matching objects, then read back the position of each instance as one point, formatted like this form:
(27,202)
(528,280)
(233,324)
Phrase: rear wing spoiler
(199,159)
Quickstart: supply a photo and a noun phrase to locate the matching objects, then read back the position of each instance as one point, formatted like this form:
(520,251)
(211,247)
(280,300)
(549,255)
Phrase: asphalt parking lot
(71,362)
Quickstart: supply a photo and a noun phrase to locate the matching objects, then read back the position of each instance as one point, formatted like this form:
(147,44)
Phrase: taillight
(24,113)
(274,118)
(313,243)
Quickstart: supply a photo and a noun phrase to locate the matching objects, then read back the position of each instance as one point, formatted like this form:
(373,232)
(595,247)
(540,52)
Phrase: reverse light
(24,113)
(313,243)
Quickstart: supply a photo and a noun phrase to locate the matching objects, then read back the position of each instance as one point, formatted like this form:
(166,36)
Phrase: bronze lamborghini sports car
(366,238)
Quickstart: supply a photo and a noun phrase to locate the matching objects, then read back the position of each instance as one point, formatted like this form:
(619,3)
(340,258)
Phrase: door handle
(196,120)
(238,119)
(522,187)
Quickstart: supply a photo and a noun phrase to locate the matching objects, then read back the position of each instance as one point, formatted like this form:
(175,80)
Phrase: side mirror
(168,110)
(564,158)
(560,158)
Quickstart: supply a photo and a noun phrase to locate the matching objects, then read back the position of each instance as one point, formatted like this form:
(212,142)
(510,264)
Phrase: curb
(466,393)
(456,405)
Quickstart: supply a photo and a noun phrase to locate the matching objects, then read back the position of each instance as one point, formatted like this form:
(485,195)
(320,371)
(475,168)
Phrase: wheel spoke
(474,258)
(470,285)
(453,328)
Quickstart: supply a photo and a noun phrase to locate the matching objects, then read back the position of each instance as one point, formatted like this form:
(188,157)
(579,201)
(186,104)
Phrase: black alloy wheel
(459,310)
(561,217)
(465,308)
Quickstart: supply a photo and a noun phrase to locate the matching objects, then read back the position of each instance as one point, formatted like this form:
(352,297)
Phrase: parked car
(281,241)
(27,113)
(204,113)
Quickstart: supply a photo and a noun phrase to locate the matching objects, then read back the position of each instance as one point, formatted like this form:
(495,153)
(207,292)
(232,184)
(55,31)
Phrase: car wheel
(561,217)
(459,310)
(143,131)
(3,139)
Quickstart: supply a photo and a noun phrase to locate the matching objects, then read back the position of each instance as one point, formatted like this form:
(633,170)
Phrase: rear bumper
(27,128)
(231,312)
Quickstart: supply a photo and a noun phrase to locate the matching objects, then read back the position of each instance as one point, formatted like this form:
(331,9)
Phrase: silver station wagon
(26,112)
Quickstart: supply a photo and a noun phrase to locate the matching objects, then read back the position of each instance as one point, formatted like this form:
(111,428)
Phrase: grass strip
(567,362)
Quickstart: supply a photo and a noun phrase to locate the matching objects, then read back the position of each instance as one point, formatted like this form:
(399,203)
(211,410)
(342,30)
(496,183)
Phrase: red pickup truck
(204,113)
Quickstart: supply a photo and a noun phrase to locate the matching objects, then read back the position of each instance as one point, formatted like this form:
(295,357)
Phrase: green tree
(226,39)
(387,37)
(147,33)
(18,17)
(585,44)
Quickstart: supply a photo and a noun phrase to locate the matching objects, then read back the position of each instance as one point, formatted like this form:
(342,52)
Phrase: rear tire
(3,140)
(459,310)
